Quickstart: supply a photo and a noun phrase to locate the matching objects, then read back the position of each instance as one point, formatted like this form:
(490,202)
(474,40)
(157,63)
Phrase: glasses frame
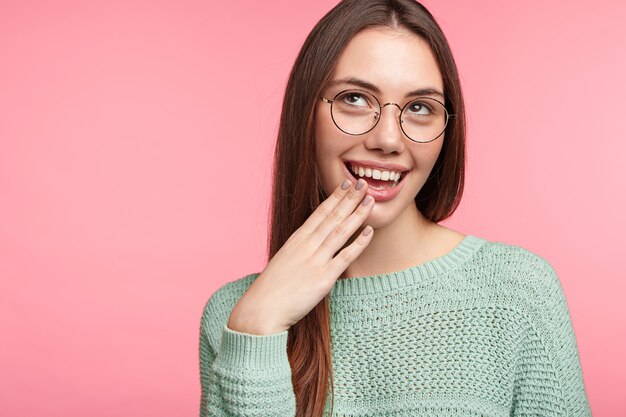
(380,110)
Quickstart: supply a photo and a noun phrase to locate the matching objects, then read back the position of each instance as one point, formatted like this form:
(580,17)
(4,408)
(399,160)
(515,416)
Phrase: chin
(384,214)
(380,217)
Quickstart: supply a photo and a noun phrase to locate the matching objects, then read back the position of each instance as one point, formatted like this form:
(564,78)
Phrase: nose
(387,135)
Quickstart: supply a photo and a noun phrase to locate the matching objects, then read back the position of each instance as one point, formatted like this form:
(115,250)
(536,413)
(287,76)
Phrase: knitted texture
(483,330)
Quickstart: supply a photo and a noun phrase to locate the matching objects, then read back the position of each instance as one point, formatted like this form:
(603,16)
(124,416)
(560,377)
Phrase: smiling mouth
(378,184)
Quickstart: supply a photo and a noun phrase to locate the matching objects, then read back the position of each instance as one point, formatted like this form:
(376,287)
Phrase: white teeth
(376,174)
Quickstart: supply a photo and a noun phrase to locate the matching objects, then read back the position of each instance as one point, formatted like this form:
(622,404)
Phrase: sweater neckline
(376,284)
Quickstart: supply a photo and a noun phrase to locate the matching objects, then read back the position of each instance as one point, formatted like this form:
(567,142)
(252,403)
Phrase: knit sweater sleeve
(242,374)
(549,380)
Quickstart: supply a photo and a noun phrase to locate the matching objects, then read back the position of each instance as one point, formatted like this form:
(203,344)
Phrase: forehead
(394,61)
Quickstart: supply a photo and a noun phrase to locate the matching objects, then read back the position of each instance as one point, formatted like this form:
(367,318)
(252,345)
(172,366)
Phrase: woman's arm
(247,375)
(549,380)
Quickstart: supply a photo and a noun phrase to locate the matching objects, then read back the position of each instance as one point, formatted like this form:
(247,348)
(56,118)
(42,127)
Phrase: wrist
(252,324)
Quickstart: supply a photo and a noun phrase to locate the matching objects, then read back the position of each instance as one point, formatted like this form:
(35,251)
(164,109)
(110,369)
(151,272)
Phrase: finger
(327,206)
(340,234)
(344,258)
(338,214)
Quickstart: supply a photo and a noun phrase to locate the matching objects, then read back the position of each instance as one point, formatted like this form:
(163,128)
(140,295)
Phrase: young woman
(367,305)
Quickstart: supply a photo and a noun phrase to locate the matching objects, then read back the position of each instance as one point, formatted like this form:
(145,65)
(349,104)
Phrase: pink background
(131,189)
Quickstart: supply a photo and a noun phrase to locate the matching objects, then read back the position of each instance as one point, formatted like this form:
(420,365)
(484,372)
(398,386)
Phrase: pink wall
(125,172)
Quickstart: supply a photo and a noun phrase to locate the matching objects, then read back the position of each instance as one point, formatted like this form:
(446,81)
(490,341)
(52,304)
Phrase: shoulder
(514,270)
(220,304)
(530,281)
(231,290)
(517,261)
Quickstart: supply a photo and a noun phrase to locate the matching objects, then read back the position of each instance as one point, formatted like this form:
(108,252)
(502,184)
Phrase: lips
(382,166)
(380,195)
(349,164)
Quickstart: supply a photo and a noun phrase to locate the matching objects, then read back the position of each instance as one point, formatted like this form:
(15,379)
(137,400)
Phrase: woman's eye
(354,99)
(419,108)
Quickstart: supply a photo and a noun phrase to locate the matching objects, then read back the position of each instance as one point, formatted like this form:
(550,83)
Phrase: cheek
(427,155)
(323,127)
(328,143)
(329,148)
(327,157)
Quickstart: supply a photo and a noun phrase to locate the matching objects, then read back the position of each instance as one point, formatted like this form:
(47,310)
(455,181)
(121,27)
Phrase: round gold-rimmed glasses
(356,112)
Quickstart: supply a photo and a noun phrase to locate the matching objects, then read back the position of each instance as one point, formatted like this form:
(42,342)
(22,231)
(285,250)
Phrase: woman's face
(396,63)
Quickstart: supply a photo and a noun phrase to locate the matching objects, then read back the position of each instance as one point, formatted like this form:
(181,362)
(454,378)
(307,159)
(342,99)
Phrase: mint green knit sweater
(483,330)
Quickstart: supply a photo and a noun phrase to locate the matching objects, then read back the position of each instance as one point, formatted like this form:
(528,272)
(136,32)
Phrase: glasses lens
(424,119)
(355,112)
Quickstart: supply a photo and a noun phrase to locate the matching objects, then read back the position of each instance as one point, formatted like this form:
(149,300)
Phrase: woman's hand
(303,271)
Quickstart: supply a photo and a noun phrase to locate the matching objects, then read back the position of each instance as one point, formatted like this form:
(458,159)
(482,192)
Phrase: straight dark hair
(297,189)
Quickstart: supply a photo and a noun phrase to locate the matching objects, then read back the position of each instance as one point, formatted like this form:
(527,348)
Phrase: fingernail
(345,184)
(368,199)
(367,230)
(360,183)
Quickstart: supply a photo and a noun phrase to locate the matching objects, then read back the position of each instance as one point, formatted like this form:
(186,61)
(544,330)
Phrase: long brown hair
(297,189)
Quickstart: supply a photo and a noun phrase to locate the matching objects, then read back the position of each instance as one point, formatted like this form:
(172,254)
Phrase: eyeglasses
(356,112)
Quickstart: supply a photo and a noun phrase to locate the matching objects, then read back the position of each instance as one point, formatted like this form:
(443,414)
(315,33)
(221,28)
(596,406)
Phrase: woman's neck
(409,240)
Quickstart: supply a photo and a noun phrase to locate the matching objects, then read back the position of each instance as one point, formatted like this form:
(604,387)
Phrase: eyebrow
(426,91)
